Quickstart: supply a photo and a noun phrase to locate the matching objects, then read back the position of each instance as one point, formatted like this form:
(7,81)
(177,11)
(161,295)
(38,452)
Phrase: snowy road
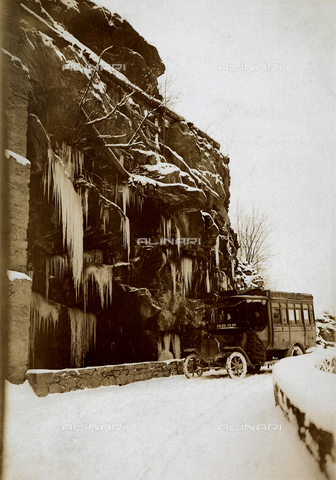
(166,428)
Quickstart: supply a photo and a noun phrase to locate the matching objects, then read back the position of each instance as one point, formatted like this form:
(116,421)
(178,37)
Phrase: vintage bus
(249,329)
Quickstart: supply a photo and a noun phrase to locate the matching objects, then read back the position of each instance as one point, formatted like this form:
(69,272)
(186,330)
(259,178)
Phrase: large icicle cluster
(72,159)
(44,317)
(44,314)
(69,206)
(102,276)
(83,334)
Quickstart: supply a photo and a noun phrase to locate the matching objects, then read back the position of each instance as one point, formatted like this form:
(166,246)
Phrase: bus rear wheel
(294,351)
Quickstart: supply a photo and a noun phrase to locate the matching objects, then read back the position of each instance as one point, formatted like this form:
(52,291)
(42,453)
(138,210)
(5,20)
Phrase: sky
(258,76)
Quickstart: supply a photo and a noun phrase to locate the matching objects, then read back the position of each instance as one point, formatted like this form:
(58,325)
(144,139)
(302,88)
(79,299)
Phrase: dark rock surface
(110,165)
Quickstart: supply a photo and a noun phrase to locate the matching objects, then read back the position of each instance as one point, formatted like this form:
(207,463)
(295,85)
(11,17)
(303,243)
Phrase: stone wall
(18,198)
(18,327)
(16,95)
(16,88)
(20,284)
(44,382)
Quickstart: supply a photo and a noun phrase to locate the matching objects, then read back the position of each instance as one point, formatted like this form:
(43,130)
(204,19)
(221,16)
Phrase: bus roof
(234,295)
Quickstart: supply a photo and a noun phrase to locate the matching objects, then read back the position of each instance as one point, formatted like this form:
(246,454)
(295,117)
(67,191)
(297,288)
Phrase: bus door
(310,329)
(297,333)
(258,319)
(281,339)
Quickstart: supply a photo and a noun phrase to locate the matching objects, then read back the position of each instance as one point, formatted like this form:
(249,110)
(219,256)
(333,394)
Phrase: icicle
(186,271)
(47,277)
(56,267)
(177,240)
(163,221)
(125,193)
(159,346)
(217,251)
(223,279)
(173,276)
(44,314)
(83,334)
(85,203)
(126,234)
(105,215)
(139,198)
(93,256)
(73,161)
(207,282)
(102,275)
(70,212)
(176,345)
(166,228)
(166,341)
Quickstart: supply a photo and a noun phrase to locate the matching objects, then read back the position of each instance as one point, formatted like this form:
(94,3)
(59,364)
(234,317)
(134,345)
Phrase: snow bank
(305,389)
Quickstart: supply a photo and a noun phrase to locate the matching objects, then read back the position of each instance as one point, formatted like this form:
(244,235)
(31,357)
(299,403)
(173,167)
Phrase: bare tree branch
(253,232)
(109,115)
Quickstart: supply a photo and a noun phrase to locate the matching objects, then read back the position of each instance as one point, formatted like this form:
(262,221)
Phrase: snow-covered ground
(166,428)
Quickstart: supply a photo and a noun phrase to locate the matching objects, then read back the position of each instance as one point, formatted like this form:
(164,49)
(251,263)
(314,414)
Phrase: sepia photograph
(167,240)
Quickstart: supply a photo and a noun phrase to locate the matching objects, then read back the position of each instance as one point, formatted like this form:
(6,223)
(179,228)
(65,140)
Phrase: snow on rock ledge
(18,158)
(12,275)
(305,390)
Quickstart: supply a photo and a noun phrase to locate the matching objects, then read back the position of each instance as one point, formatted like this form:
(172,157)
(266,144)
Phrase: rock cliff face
(128,229)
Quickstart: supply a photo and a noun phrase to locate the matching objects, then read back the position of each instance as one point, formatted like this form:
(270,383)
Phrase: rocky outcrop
(128,227)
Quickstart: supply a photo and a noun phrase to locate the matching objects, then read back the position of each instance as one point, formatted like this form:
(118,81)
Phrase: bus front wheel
(236,365)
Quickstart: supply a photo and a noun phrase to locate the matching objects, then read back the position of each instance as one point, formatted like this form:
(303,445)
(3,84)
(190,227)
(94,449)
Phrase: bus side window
(311,314)
(305,314)
(276,314)
(298,313)
(284,314)
(291,315)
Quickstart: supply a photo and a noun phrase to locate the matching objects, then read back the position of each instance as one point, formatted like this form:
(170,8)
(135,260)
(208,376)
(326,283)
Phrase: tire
(294,351)
(192,367)
(236,365)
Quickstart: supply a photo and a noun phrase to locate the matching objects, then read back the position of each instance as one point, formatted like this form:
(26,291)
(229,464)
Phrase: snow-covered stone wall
(44,382)
(18,170)
(305,390)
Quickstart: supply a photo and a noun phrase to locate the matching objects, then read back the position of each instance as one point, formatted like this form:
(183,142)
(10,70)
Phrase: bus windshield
(244,313)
